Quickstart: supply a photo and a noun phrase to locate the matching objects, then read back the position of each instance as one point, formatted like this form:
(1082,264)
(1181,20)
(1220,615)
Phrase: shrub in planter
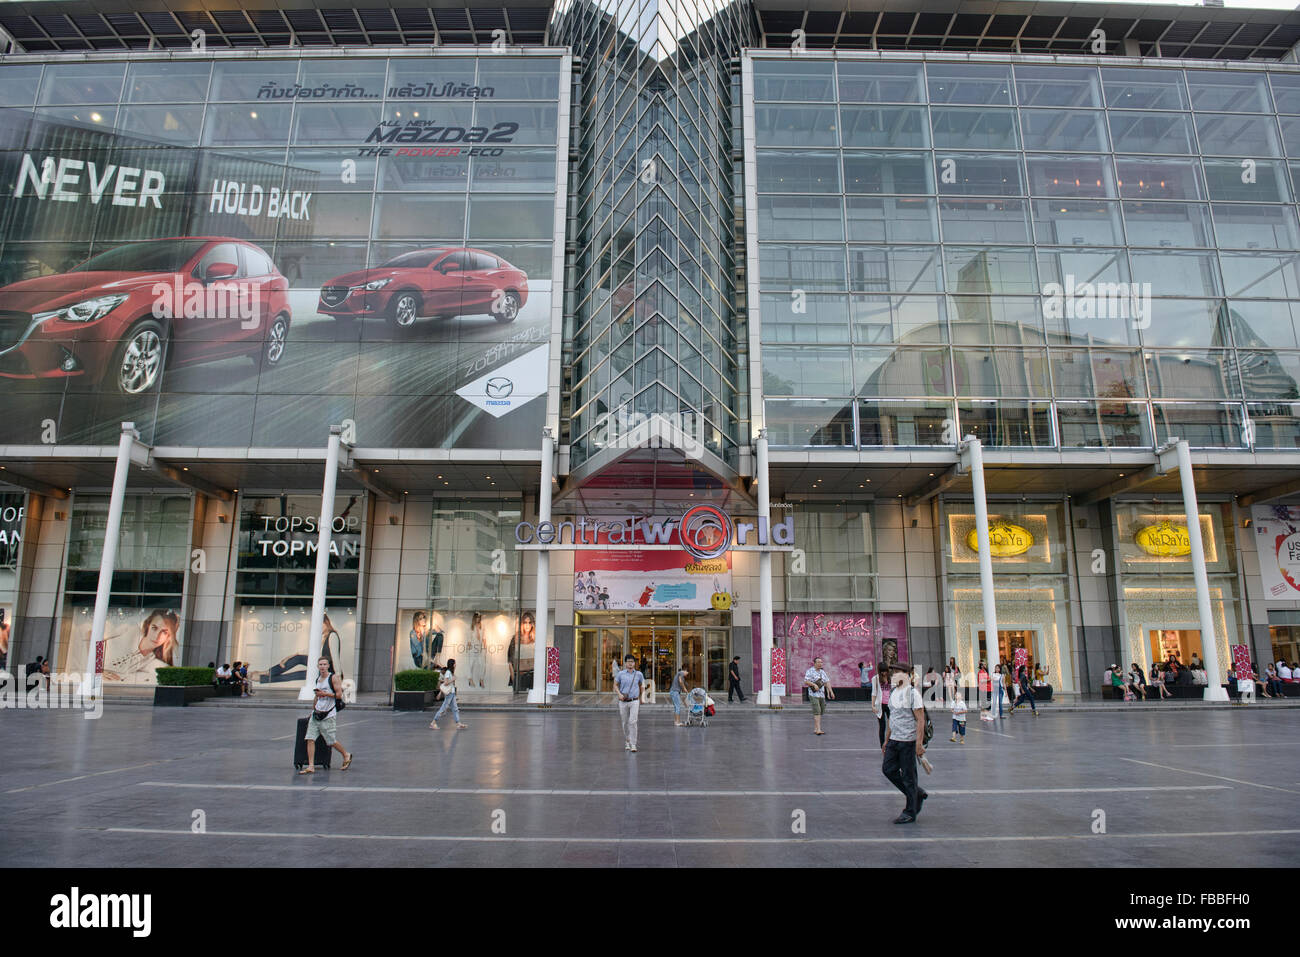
(416,679)
(185,677)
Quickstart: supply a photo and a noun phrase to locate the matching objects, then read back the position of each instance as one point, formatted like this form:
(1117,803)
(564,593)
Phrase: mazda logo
(498,387)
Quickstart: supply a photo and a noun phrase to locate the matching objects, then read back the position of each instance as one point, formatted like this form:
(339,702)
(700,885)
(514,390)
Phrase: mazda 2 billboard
(241,252)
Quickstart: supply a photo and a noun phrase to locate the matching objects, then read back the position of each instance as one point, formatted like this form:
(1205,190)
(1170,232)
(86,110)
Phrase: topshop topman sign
(704,532)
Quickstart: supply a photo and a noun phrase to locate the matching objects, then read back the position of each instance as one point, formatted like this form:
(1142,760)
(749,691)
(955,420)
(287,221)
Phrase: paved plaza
(1190,788)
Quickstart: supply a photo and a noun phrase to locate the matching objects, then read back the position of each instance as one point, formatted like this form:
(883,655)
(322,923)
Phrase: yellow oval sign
(1005,540)
(1164,540)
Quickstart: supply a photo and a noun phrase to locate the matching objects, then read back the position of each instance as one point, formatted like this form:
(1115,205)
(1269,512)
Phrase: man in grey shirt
(903,744)
(628,683)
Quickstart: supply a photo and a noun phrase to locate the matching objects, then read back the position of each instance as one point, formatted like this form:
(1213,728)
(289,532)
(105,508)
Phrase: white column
(537,694)
(986,556)
(765,580)
(1209,645)
(108,559)
(325,529)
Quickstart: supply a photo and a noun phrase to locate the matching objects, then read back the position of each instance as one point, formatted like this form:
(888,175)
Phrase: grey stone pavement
(1192,788)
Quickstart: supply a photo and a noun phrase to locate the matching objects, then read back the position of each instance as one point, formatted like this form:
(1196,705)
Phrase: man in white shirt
(818,684)
(903,743)
(1284,672)
(628,684)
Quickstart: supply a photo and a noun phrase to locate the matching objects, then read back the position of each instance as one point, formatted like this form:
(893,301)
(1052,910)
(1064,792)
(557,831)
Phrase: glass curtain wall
(654,309)
(1053,256)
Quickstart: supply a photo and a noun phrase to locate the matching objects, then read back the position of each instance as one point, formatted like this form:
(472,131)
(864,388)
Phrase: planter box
(411,700)
(178,696)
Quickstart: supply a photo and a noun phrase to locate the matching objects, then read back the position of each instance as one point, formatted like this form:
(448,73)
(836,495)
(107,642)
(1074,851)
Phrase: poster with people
(841,639)
(482,643)
(274,641)
(643,579)
(137,642)
(6,629)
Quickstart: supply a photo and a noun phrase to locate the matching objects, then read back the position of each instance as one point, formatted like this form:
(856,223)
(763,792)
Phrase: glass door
(587,662)
(611,657)
(655,653)
(692,658)
(717,644)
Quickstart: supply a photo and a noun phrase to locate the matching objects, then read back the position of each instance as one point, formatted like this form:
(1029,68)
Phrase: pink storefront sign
(842,639)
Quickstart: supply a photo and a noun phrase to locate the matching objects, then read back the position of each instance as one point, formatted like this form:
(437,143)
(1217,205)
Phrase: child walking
(958,717)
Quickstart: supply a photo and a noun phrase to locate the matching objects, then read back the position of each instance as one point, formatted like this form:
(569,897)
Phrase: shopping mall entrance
(661,641)
(1009,639)
(1181,641)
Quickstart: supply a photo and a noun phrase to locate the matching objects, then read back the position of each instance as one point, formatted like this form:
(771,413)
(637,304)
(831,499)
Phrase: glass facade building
(721,252)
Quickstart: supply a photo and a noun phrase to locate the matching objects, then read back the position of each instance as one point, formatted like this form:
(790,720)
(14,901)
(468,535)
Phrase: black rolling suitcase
(323,750)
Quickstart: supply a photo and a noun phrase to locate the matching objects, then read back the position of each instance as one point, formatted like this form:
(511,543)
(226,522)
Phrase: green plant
(416,679)
(185,677)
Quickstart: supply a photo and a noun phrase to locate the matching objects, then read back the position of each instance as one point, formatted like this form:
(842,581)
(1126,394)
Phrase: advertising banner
(241,253)
(648,579)
(274,641)
(137,642)
(1277,541)
(778,673)
(1241,662)
(842,639)
(481,643)
(552,670)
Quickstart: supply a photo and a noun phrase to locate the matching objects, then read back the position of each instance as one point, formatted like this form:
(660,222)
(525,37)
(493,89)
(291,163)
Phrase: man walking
(733,679)
(903,744)
(818,683)
(628,684)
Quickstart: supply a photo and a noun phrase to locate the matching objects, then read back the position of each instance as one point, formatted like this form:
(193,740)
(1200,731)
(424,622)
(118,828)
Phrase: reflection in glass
(806,370)
(1077,222)
(1098,373)
(880,82)
(1256,226)
(893,219)
(801,267)
(163,81)
(803,423)
(1167,224)
(801,216)
(999,319)
(976,84)
(1122,425)
(1007,424)
(1202,424)
(1135,132)
(1083,130)
(894,269)
(1144,178)
(1192,374)
(884,373)
(988,220)
(1000,271)
(905,319)
(1185,322)
(966,128)
(811,317)
(1176,272)
(82,83)
(798,172)
(1001,371)
(882,126)
(1237,135)
(1228,91)
(801,125)
(1270,375)
(1277,424)
(902,423)
(1223,178)
(1071,176)
(884,173)
(789,80)
(1265,324)
(1057,86)
(980,174)
(1144,89)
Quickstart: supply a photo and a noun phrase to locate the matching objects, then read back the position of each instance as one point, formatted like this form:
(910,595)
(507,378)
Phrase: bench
(1186,692)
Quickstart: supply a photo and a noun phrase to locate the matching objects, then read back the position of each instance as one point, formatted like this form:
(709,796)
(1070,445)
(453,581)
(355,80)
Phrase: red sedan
(123,315)
(442,282)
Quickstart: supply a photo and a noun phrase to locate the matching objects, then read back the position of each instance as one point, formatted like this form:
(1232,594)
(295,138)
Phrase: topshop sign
(704,532)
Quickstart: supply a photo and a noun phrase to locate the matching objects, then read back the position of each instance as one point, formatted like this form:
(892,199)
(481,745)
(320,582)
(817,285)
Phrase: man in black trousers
(733,679)
(903,743)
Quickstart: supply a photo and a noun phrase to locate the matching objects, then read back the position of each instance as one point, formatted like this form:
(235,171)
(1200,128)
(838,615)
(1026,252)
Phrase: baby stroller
(695,705)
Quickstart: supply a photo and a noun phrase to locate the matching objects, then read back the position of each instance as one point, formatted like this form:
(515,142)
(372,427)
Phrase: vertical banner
(778,672)
(552,670)
(1241,662)
(1021,660)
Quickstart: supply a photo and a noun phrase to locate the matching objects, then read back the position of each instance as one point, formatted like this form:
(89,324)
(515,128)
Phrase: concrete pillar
(1209,644)
(976,452)
(537,694)
(108,560)
(324,530)
(765,578)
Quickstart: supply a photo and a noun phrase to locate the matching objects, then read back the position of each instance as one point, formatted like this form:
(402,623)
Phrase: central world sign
(705,532)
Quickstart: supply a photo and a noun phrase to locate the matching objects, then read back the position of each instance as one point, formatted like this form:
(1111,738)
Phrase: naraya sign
(1164,540)
(705,532)
(1005,540)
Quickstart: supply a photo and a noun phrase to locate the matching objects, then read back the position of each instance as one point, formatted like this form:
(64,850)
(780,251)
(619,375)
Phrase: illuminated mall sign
(1164,540)
(705,532)
(1006,540)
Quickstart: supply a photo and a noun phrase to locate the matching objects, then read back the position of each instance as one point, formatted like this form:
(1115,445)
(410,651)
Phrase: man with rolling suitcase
(324,721)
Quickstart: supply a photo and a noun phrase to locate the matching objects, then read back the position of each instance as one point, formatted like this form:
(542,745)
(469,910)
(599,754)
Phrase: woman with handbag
(448,688)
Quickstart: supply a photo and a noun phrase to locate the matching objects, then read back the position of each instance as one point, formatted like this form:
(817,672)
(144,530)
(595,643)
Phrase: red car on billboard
(443,282)
(124,314)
